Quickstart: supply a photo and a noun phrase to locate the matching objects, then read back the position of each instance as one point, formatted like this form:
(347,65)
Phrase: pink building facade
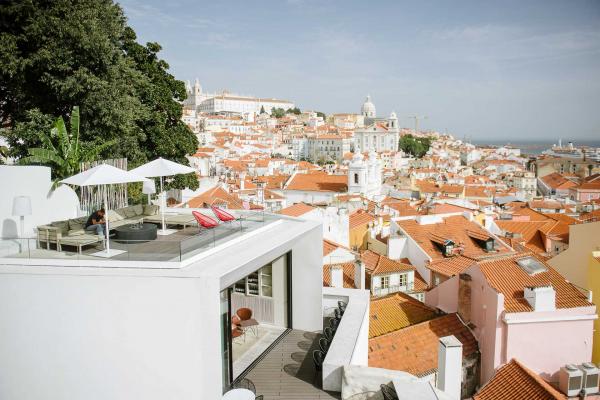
(543,340)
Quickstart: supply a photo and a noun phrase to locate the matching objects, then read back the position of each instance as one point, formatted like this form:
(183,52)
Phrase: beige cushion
(76,232)
(139,209)
(129,212)
(121,212)
(113,216)
(77,223)
(62,225)
(150,209)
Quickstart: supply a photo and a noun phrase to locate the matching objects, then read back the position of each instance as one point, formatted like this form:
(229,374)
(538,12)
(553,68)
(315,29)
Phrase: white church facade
(364,176)
(379,134)
(225,102)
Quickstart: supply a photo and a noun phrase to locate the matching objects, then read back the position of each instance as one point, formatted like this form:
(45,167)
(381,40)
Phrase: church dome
(368,108)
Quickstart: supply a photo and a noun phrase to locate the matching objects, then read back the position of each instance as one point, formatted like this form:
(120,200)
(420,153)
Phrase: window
(402,281)
(356,178)
(385,282)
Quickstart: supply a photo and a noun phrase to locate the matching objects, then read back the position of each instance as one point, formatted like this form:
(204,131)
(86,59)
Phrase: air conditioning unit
(591,376)
(570,380)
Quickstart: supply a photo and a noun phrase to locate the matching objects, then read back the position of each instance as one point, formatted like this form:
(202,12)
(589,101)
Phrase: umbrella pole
(106,227)
(163,205)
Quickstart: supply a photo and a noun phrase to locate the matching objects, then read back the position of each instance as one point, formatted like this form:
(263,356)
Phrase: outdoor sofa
(72,232)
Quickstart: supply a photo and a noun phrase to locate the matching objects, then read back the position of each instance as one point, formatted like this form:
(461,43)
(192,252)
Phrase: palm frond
(90,154)
(46,141)
(42,156)
(62,135)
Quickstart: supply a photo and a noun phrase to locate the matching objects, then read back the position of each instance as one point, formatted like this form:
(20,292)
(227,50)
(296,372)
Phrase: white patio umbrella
(104,175)
(161,168)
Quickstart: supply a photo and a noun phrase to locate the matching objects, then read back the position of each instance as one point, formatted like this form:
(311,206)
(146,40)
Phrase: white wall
(112,332)
(46,205)
(350,345)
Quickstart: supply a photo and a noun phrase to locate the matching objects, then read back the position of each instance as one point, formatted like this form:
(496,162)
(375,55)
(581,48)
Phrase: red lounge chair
(204,220)
(223,216)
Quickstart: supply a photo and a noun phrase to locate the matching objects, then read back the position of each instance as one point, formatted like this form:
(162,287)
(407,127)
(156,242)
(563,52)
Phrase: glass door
(226,362)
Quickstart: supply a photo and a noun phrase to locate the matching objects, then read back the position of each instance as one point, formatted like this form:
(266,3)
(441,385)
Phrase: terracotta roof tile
(514,381)
(318,183)
(296,210)
(453,228)
(348,271)
(451,266)
(360,218)
(508,278)
(377,264)
(415,349)
(396,311)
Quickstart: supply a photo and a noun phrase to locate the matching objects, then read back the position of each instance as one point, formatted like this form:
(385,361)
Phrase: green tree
(262,110)
(294,110)
(323,115)
(62,149)
(160,95)
(54,55)
(277,112)
(415,146)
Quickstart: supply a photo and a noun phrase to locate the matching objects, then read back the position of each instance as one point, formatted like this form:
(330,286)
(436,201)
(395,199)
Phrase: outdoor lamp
(21,208)
(149,188)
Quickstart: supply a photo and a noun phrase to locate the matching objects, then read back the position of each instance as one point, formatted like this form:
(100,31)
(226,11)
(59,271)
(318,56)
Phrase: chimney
(359,274)
(541,298)
(337,276)
(450,366)
(464,297)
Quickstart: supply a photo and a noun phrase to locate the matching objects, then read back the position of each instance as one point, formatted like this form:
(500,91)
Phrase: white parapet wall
(350,345)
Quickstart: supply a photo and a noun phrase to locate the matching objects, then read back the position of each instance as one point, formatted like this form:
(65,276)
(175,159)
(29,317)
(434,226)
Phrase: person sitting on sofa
(96,222)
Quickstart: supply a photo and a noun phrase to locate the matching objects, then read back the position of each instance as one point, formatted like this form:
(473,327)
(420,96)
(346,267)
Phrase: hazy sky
(487,69)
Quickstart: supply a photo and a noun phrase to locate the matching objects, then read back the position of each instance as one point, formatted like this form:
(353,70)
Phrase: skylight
(531,265)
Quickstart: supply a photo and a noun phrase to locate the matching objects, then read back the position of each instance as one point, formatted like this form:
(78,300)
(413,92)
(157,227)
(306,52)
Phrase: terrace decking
(179,246)
(287,371)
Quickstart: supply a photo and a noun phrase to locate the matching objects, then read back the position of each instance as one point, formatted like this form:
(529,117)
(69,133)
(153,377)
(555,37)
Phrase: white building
(225,102)
(364,177)
(378,135)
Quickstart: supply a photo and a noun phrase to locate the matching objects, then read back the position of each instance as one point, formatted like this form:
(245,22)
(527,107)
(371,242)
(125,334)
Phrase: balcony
(186,245)
(287,372)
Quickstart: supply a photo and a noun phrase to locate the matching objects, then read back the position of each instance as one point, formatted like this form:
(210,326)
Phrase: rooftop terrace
(186,245)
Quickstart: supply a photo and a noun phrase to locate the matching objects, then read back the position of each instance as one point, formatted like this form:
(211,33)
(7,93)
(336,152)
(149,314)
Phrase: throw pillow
(113,216)
(150,209)
(62,225)
(129,212)
(139,209)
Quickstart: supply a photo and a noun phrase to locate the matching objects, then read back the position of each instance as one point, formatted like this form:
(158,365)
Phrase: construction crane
(417,118)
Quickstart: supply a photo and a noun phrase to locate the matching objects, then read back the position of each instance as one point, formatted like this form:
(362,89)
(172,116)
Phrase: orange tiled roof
(348,274)
(296,210)
(331,246)
(454,228)
(377,264)
(557,181)
(396,311)
(415,349)
(318,183)
(451,266)
(514,381)
(216,196)
(508,278)
(360,218)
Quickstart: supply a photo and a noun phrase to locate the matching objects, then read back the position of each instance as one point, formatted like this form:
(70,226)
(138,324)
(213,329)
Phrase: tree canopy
(415,146)
(61,54)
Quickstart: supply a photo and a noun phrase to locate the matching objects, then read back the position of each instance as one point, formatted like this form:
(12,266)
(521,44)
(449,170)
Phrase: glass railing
(181,245)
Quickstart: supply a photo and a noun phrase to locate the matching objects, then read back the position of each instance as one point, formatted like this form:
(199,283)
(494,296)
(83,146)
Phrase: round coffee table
(136,232)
